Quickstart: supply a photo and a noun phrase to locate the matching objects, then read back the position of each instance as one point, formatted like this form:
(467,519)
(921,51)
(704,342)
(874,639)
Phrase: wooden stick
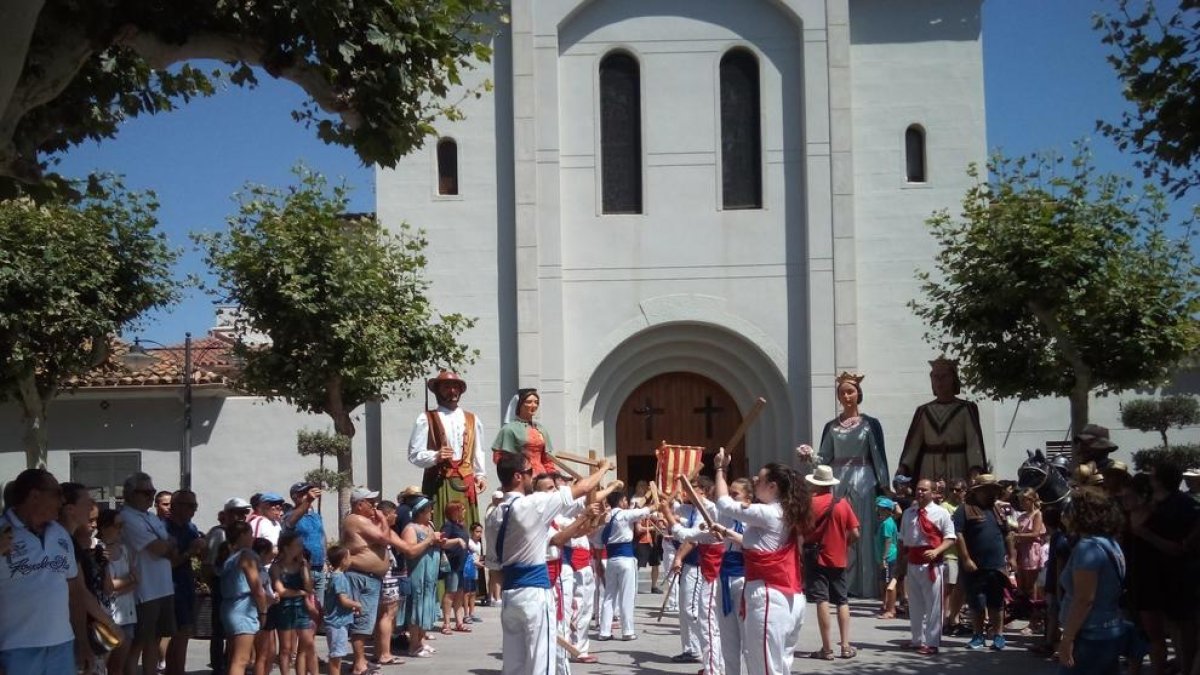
(563,467)
(566,644)
(755,411)
(671,579)
(696,503)
(594,463)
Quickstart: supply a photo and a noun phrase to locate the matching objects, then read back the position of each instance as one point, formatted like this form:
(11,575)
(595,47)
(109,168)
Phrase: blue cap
(270,498)
(901,479)
(302,486)
(884,503)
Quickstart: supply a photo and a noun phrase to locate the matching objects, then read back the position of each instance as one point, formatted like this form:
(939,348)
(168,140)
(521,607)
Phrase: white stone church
(675,206)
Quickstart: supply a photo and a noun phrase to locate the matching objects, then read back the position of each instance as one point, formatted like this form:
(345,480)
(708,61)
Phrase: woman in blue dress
(421,610)
(243,602)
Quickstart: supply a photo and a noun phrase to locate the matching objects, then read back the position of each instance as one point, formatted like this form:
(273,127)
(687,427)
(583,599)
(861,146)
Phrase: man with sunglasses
(145,535)
(235,510)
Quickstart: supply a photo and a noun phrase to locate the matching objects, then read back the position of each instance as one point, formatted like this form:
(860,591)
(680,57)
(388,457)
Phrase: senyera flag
(674,460)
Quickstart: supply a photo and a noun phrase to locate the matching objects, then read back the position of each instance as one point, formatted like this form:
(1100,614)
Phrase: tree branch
(1082,370)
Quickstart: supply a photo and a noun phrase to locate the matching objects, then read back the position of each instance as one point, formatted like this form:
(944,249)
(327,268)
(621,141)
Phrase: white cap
(361,493)
(236,503)
(498,494)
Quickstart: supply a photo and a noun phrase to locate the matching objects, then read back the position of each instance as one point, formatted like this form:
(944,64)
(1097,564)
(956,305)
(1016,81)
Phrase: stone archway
(681,408)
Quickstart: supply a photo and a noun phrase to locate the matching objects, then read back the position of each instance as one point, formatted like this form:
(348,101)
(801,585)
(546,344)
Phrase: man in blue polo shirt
(304,520)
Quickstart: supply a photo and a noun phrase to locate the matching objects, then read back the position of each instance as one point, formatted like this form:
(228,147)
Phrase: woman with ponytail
(772,601)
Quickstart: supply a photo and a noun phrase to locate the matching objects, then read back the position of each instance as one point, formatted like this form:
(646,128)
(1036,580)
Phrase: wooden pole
(671,579)
(696,503)
(749,419)
(563,467)
(586,461)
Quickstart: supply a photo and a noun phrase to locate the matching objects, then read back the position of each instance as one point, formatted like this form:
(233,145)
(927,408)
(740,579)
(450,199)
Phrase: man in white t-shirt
(267,521)
(36,581)
(145,537)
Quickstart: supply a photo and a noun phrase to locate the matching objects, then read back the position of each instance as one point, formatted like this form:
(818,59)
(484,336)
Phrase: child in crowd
(119,584)
(886,538)
(472,569)
(340,608)
(292,583)
(264,641)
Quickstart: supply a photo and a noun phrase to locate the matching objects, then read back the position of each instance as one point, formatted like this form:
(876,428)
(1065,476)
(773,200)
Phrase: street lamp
(136,358)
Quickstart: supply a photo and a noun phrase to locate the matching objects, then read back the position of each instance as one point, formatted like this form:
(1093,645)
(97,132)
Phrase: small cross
(707,410)
(649,411)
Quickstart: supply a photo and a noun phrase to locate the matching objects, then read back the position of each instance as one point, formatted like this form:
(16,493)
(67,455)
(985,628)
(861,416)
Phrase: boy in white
(687,564)
(584,595)
(707,627)
(926,532)
(518,535)
(620,588)
(732,579)
(599,572)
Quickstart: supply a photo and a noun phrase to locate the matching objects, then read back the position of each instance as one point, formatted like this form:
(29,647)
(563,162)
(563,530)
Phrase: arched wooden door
(681,409)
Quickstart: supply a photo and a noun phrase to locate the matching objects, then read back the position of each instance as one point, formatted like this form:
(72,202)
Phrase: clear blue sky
(1046,85)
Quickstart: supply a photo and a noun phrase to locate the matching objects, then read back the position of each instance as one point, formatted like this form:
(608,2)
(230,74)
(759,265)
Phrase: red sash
(710,560)
(777,569)
(599,553)
(933,536)
(554,567)
(580,558)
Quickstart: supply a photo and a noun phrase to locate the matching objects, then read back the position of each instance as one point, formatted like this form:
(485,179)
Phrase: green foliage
(1157,58)
(377,72)
(329,479)
(1056,281)
(342,300)
(72,276)
(321,443)
(1184,456)
(1160,414)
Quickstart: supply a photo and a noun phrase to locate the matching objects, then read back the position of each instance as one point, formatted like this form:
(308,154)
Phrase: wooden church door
(679,408)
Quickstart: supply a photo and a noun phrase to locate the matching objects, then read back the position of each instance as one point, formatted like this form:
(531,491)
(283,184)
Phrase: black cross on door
(649,412)
(708,410)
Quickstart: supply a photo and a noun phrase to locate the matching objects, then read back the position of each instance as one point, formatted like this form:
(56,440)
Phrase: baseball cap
(361,493)
(302,486)
(270,498)
(236,503)
(884,503)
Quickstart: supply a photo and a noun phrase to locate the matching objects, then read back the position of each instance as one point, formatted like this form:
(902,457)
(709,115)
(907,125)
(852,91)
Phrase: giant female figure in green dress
(522,435)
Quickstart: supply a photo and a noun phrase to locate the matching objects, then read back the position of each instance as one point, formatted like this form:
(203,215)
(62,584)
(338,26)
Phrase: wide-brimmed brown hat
(987,481)
(410,491)
(1095,437)
(445,376)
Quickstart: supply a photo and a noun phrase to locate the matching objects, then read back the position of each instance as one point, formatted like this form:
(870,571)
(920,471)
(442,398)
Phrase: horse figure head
(1049,478)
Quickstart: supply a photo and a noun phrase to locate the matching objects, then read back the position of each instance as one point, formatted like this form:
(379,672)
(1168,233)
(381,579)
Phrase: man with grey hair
(145,536)
(365,533)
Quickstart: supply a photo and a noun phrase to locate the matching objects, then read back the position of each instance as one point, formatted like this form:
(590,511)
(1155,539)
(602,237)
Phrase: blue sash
(622,549)
(733,565)
(519,576)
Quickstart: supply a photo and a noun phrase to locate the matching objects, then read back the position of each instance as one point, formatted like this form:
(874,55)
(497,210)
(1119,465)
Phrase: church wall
(917,62)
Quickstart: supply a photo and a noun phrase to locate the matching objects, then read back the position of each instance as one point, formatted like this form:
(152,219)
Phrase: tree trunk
(345,467)
(1163,433)
(33,409)
(344,426)
(18,19)
(1079,408)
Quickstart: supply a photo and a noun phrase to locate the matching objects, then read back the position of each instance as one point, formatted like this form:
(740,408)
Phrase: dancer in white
(707,591)
(772,601)
(733,578)
(518,535)
(562,580)
(579,555)
(620,584)
(926,532)
(687,567)
(599,568)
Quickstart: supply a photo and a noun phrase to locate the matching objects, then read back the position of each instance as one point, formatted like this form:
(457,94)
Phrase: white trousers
(689,609)
(708,626)
(584,592)
(600,573)
(924,604)
(527,620)
(732,627)
(773,621)
(620,591)
(667,561)
(565,589)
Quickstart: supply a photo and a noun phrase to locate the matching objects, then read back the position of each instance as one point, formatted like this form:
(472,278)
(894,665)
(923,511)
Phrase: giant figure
(447,443)
(945,440)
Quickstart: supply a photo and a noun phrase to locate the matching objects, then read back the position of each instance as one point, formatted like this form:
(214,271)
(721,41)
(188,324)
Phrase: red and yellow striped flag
(674,460)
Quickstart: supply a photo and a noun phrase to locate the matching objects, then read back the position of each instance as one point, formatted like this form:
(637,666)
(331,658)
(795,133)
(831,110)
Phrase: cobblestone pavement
(879,643)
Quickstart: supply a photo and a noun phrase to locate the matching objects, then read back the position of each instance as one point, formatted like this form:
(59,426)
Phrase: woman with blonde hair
(1029,537)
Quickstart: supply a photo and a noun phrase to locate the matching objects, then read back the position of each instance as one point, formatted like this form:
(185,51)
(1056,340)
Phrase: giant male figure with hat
(945,439)
(447,442)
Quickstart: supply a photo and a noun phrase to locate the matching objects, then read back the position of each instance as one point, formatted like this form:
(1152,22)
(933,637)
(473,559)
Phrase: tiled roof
(212,361)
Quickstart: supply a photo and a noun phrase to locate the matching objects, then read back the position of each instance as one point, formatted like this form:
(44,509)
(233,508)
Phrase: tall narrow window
(447,167)
(620,134)
(741,132)
(914,154)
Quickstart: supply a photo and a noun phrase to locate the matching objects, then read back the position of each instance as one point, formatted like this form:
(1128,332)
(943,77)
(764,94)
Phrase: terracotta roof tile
(212,362)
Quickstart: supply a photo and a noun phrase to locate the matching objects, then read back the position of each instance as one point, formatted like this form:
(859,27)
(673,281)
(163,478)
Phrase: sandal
(390,661)
(462,628)
(849,652)
(822,655)
(446,631)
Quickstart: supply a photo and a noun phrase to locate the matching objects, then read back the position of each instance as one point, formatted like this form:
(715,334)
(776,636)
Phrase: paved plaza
(879,644)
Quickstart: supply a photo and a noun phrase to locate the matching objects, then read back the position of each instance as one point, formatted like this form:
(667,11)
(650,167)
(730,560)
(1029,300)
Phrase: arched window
(620,134)
(447,166)
(741,132)
(914,154)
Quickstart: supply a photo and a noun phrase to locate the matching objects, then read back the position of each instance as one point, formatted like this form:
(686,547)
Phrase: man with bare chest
(365,534)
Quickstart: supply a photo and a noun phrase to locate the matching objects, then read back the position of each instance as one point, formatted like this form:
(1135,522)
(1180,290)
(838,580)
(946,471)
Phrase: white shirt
(266,528)
(910,532)
(140,529)
(726,519)
(560,523)
(766,529)
(623,521)
(455,424)
(34,606)
(528,530)
(124,606)
(682,532)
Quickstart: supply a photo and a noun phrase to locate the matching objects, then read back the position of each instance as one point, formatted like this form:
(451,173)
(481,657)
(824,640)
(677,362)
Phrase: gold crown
(848,376)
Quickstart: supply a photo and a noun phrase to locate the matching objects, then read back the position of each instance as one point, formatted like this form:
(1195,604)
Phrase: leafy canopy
(377,72)
(1160,414)
(71,277)
(1157,58)
(1053,276)
(342,300)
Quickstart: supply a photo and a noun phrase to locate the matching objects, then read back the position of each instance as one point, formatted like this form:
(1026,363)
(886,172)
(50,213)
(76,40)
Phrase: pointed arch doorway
(681,408)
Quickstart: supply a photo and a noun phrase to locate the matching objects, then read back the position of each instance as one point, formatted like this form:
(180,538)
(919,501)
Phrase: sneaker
(629,637)
(603,638)
(976,642)
(999,643)
(656,590)
(686,657)
(476,619)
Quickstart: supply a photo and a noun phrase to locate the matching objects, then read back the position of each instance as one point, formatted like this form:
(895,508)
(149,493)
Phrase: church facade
(665,209)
